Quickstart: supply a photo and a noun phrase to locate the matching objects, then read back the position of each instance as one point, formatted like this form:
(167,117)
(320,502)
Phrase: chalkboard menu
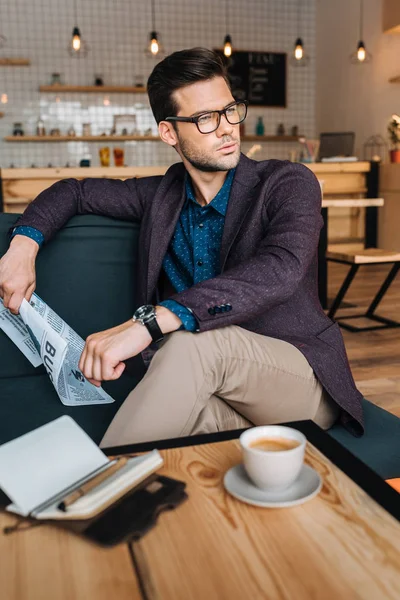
(259,77)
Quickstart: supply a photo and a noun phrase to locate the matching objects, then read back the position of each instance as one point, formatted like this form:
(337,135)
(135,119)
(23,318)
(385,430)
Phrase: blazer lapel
(169,201)
(243,192)
(166,209)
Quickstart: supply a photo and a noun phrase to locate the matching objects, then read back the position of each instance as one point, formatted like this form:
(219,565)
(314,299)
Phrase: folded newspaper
(44,338)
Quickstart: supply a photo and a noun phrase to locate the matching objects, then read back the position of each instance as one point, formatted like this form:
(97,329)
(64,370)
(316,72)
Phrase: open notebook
(41,468)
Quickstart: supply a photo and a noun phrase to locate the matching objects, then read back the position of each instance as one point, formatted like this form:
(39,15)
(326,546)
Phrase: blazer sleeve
(273,274)
(69,197)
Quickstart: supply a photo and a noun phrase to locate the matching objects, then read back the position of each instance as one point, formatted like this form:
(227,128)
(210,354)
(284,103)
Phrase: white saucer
(307,486)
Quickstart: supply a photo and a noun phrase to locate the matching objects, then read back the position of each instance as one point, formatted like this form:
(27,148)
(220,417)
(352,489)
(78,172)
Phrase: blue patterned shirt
(193,253)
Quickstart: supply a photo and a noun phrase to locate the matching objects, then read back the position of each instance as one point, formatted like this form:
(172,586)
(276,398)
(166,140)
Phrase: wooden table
(341,544)
(369,204)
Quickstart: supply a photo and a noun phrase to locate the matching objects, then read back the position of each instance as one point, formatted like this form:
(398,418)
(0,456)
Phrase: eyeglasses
(209,121)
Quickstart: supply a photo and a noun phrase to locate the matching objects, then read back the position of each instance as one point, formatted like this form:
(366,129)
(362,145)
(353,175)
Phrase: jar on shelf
(55,79)
(281,129)
(86,129)
(18,129)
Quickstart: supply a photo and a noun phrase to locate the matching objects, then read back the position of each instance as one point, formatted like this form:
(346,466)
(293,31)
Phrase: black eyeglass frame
(206,112)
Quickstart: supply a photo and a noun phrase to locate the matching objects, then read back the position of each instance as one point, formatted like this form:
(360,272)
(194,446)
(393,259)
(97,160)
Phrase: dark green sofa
(86,274)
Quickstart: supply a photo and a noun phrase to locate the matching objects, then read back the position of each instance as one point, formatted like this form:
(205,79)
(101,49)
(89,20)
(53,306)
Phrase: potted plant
(394,134)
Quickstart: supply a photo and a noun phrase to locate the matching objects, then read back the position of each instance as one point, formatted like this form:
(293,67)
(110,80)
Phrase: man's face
(216,151)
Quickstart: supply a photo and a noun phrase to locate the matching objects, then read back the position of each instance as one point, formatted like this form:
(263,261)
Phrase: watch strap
(154,329)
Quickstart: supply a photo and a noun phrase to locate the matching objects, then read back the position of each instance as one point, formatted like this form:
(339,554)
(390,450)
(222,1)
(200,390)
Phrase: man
(227,275)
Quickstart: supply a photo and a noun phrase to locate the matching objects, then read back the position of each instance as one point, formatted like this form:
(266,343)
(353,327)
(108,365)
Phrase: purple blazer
(268,257)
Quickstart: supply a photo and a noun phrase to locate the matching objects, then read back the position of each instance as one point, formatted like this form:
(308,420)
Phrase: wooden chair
(370,256)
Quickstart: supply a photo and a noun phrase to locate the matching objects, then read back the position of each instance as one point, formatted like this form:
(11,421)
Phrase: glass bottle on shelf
(260,129)
(40,129)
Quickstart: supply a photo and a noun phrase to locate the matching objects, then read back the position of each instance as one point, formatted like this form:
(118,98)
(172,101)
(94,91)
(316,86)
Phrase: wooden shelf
(82,138)
(271,138)
(14,62)
(133,138)
(93,89)
(1,115)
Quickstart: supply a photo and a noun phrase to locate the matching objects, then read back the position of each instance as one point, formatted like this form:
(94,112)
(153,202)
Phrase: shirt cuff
(189,321)
(30,232)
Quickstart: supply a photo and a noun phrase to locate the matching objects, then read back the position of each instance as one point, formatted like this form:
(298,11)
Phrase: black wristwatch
(146,315)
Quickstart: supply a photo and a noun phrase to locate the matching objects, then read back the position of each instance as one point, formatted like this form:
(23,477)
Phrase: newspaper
(44,338)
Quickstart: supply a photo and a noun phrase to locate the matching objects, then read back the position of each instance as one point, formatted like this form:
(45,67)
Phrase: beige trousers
(227,378)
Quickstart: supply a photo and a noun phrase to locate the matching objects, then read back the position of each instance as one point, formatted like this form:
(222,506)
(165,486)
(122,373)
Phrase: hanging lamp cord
(153,15)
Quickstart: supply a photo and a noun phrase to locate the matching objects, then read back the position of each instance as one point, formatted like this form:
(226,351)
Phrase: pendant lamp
(154,48)
(227,39)
(361,55)
(299,56)
(77,48)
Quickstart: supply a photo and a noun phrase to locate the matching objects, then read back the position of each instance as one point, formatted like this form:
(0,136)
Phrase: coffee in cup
(274,444)
(273,455)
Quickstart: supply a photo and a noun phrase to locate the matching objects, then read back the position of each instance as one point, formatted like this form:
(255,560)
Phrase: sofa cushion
(29,402)
(86,274)
(379,447)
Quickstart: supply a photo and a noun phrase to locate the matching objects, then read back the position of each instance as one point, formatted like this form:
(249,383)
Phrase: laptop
(336,145)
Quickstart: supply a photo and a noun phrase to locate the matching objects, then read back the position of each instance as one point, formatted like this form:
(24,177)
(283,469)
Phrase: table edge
(359,472)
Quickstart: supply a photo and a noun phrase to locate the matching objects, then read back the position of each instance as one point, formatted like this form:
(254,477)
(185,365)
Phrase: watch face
(144,312)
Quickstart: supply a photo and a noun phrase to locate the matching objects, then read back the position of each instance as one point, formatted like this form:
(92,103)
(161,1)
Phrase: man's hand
(103,355)
(17,272)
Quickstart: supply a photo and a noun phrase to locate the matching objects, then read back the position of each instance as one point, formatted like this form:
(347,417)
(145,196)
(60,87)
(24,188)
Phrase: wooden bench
(369,256)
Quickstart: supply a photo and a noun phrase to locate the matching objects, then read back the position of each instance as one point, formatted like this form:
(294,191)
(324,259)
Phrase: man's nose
(224,128)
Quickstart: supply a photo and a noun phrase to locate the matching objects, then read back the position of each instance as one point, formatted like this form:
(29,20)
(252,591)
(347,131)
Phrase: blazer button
(228,306)
(211,311)
(217,309)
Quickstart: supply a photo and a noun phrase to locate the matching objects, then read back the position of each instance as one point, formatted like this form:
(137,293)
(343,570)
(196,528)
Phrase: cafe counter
(389,214)
(339,180)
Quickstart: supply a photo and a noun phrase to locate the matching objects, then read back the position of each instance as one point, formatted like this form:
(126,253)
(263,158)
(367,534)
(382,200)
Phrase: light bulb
(361,52)
(76,39)
(298,52)
(228,45)
(106,101)
(228,50)
(298,49)
(4,98)
(154,47)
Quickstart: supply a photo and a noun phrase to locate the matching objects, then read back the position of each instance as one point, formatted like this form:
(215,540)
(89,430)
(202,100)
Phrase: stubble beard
(209,164)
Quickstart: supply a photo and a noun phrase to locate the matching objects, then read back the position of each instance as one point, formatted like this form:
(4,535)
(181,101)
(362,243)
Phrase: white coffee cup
(272,470)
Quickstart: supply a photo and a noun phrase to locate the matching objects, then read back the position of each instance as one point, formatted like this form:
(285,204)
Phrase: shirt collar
(220,201)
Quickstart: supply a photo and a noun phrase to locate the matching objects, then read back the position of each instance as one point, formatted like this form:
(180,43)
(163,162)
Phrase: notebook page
(43,462)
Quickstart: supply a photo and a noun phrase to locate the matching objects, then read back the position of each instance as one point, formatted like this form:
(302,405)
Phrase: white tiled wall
(116,32)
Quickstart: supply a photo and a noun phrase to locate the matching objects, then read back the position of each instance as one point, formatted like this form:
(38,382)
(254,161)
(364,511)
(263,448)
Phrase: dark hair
(178,70)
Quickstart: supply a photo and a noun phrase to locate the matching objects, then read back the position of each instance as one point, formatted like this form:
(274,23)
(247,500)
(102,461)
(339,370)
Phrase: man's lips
(230,145)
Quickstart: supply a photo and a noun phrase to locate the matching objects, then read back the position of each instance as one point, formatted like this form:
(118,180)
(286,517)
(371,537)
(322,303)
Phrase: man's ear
(167,133)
